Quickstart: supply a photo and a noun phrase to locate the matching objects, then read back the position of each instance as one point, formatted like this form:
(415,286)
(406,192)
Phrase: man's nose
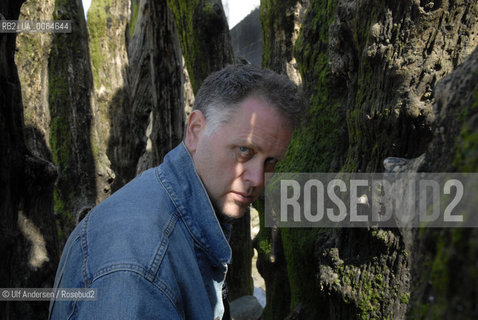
(254,174)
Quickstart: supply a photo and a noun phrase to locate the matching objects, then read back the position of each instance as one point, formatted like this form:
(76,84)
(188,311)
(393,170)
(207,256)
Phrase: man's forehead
(254,107)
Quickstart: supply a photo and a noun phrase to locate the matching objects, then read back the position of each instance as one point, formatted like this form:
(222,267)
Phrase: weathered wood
(369,69)
(204,36)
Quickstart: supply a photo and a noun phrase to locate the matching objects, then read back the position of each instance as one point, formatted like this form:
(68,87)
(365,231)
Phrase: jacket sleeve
(128,295)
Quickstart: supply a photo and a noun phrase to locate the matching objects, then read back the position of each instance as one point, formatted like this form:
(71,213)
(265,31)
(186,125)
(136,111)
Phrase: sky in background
(235,10)
(86,5)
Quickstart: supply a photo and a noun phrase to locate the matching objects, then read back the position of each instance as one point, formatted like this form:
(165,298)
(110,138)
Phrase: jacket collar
(179,177)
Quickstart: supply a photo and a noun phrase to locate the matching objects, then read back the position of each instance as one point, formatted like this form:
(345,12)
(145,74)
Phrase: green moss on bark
(71,114)
(97,26)
(204,37)
(314,145)
(448,260)
(60,126)
(196,61)
(134,17)
(277,20)
(445,264)
(299,251)
(466,156)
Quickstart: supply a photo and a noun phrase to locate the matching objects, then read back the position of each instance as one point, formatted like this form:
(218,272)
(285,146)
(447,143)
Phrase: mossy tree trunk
(75,143)
(204,36)
(444,278)
(285,280)
(36,220)
(155,50)
(32,62)
(28,234)
(12,161)
(107,25)
(369,69)
(146,98)
(281,21)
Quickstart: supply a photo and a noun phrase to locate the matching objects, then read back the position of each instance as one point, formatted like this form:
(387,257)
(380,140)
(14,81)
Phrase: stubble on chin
(225,214)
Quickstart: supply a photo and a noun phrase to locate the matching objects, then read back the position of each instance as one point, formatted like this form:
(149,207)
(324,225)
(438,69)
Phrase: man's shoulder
(141,202)
(128,227)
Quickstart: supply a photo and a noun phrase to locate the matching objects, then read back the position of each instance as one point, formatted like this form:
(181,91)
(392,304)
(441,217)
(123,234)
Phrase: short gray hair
(222,91)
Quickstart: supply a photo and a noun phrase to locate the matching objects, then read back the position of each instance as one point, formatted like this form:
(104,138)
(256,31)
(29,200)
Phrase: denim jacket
(154,250)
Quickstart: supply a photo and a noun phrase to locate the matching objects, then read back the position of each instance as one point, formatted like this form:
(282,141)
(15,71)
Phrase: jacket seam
(84,248)
(119,266)
(163,287)
(74,310)
(162,248)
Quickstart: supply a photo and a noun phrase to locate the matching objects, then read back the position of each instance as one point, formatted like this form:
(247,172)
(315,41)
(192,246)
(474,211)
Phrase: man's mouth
(242,197)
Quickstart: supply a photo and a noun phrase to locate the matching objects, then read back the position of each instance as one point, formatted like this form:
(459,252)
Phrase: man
(157,248)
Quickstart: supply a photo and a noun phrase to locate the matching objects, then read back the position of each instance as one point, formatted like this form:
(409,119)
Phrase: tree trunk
(443,258)
(28,232)
(204,36)
(12,161)
(281,21)
(75,143)
(369,69)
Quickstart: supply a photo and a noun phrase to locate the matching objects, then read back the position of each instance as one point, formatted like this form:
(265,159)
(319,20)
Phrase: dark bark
(204,36)
(280,23)
(70,87)
(239,279)
(152,96)
(369,69)
(444,281)
(12,161)
(28,231)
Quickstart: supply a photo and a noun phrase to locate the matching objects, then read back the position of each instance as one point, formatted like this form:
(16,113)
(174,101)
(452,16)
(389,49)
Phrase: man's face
(231,160)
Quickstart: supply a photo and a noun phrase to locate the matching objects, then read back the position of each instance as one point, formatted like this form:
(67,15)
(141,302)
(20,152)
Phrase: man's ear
(195,128)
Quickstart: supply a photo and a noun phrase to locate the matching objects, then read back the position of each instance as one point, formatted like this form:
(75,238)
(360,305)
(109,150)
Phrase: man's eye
(245,152)
(270,164)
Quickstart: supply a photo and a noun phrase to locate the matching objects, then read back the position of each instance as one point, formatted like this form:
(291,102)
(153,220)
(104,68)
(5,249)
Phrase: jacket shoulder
(128,228)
